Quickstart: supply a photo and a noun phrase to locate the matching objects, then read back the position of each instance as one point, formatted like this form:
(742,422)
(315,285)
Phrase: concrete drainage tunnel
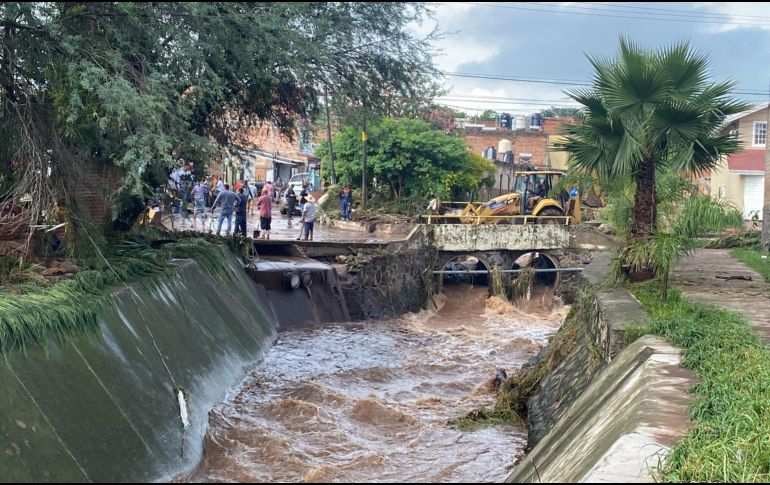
(474,271)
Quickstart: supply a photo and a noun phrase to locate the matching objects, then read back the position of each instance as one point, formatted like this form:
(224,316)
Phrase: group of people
(307,209)
(240,203)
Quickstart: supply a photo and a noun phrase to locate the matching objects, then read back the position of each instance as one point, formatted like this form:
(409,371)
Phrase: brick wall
(533,142)
(556,125)
(270,139)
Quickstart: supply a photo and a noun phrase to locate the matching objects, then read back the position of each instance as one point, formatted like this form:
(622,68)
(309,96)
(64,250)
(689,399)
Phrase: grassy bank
(753,259)
(32,313)
(730,438)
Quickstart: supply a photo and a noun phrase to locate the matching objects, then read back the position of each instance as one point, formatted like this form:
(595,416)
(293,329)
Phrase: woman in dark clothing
(291,201)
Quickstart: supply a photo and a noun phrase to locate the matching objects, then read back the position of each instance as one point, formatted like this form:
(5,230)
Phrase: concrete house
(740,178)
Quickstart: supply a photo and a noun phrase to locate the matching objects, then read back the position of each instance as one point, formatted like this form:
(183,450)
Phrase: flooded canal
(370,401)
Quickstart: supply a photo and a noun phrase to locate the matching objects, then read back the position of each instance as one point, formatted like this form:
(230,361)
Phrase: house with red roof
(740,178)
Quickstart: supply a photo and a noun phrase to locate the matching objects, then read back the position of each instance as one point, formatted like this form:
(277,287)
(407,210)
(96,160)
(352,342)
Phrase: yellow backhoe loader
(531,201)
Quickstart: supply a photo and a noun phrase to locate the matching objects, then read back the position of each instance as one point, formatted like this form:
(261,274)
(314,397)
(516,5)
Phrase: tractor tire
(550,211)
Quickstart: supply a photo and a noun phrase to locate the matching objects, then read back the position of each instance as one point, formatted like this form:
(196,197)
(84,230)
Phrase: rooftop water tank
(521,122)
(504,146)
(536,122)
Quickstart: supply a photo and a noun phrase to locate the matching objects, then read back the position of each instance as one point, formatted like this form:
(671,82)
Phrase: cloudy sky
(548,42)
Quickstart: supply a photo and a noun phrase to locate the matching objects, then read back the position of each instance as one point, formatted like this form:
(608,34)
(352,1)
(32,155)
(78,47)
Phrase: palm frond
(702,213)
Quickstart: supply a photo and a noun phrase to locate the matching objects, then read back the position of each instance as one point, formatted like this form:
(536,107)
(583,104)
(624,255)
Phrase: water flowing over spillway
(370,401)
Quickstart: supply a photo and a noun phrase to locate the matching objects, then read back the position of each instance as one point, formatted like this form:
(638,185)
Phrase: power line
(497,77)
(475,108)
(711,14)
(471,97)
(686,16)
(511,103)
(595,14)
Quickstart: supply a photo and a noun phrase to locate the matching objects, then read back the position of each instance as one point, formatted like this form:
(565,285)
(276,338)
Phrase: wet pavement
(702,278)
(282,228)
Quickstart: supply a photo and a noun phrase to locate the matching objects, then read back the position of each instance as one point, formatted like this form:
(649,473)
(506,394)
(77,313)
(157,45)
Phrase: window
(760,134)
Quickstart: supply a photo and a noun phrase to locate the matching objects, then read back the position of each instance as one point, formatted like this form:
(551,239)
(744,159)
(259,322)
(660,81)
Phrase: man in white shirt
(308,217)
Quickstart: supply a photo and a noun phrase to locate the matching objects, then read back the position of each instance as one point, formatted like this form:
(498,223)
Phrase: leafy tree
(648,111)
(441,117)
(561,111)
(411,158)
(489,115)
(144,86)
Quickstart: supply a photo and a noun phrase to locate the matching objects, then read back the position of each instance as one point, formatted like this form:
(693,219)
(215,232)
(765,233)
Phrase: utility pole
(363,172)
(766,208)
(329,137)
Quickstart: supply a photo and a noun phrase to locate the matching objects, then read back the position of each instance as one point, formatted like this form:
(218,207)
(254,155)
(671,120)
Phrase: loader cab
(527,184)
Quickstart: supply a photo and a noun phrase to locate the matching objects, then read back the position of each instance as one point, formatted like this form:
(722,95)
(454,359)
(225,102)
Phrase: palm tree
(684,215)
(647,111)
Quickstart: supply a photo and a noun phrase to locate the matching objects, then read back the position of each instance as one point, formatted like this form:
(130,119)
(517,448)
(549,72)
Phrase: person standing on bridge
(291,202)
(199,203)
(240,211)
(308,217)
(346,197)
(265,205)
(228,200)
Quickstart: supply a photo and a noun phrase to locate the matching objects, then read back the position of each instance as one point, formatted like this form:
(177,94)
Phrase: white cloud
(477,95)
(456,47)
(742,15)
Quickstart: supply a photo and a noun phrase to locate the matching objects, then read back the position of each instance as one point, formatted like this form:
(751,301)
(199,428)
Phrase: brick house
(527,146)
(268,154)
(740,178)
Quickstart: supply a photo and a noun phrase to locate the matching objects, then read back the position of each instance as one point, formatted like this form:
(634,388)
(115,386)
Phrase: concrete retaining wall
(103,408)
(605,314)
(622,426)
(606,410)
(388,283)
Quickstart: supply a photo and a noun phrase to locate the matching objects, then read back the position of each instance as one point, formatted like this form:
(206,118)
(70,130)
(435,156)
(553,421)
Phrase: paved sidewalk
(696,277)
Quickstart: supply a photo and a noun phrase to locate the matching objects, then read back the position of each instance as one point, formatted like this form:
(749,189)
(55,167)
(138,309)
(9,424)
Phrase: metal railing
(478,219)
(514,271)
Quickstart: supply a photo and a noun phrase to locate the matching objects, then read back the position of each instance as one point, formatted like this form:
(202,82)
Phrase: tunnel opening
(466,263)
(537,261)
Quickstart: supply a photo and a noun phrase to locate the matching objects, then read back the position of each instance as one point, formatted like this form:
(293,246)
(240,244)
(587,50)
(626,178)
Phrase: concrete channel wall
(104,408)
(621,427)
(606,412)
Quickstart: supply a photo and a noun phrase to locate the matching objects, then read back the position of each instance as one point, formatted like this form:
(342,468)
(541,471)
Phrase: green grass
(33,313)
(730,437)
(753,259)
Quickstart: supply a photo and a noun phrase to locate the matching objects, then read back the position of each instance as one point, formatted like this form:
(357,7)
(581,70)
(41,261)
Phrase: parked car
(296,183)
(285,204)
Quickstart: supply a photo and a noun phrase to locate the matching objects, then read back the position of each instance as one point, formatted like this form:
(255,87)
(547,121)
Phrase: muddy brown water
(370,401)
